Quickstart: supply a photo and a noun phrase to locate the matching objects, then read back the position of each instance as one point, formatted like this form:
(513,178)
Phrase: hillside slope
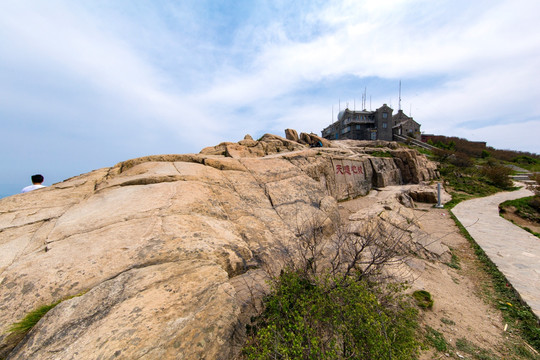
(151,258)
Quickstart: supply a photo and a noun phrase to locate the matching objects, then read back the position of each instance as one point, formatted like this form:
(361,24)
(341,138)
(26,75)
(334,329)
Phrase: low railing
(412,141)
(359,121)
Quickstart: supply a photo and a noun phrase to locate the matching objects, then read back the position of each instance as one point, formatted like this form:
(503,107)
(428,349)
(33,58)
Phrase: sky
(87,84)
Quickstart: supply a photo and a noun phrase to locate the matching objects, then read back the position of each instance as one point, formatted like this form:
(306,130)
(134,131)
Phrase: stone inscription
(348,169)
(350,178)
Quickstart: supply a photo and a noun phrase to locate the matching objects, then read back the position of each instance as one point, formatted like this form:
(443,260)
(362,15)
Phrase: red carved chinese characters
(348,170)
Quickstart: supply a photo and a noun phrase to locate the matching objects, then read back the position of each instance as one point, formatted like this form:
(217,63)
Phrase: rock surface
(150,258)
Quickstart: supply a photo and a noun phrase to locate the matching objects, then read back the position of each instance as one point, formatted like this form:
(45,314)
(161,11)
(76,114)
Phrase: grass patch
(424,151)
(381,154)
(527,207)
(423,299)
(448,322)
(31,319)
(436,339)
(523,353)
(454,261)
(476,352)
(530,231)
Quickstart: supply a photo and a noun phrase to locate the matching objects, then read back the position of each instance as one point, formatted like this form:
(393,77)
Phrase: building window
(385,115)
(347,129)
(358,127)
(384,124)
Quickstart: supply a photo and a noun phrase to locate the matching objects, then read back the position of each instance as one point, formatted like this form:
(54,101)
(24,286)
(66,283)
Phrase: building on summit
(405,125)
(371,125)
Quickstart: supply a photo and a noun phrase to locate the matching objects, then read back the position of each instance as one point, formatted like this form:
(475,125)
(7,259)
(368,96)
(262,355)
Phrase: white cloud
(182,76)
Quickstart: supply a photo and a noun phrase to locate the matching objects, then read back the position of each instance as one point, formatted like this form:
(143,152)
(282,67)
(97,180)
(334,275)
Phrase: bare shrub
(460,159)
(332,299)
(364,250)
(536,177)
(535,202)
(498,175)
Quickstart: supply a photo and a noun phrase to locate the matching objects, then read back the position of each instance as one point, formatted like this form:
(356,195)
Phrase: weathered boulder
(414,168)
(313,139)
(428,194)
(385,172)
(291,134)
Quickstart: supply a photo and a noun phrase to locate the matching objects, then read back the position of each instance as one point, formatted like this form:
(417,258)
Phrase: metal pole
(439,205)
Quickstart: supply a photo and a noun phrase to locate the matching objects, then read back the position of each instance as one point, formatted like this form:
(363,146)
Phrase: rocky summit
(161,256)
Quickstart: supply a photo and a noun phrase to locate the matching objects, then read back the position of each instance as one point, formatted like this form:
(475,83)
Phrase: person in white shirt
(36,181)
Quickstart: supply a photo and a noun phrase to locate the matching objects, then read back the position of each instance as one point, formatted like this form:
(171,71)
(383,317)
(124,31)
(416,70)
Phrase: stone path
(515,251)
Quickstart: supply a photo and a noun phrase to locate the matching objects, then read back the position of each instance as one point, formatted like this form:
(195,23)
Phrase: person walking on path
(514,251)
(37,180)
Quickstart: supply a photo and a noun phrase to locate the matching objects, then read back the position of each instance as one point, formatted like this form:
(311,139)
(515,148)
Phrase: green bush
(423,299)
(498,175)
(332,318)
(524,159)
(535,203)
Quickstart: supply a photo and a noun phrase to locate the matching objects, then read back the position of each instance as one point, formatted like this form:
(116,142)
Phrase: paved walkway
(515,251)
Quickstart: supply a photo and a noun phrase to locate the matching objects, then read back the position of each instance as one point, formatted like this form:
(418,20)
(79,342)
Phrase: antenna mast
(399,95)
(365,96)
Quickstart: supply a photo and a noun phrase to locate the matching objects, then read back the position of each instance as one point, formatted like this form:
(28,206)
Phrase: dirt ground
(462,309)
(510,214)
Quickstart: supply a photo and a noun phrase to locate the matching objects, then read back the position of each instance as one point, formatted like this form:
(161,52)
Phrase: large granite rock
(150,258)
(292,135)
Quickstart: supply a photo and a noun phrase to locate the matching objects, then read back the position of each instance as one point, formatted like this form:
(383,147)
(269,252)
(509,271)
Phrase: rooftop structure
(371,125)
(361,125)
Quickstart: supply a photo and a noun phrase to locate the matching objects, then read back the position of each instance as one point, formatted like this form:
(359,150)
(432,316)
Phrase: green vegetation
(31,319)
(476,352)
(448,321)
(467,177)
(423,299)
(478,149)
(527,162)
(426,152)
(381,154)
(527,207)
(454,262)
(436,339)
(332,318)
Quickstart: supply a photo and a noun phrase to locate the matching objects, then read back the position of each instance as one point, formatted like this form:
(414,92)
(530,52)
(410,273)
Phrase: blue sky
(87,84)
